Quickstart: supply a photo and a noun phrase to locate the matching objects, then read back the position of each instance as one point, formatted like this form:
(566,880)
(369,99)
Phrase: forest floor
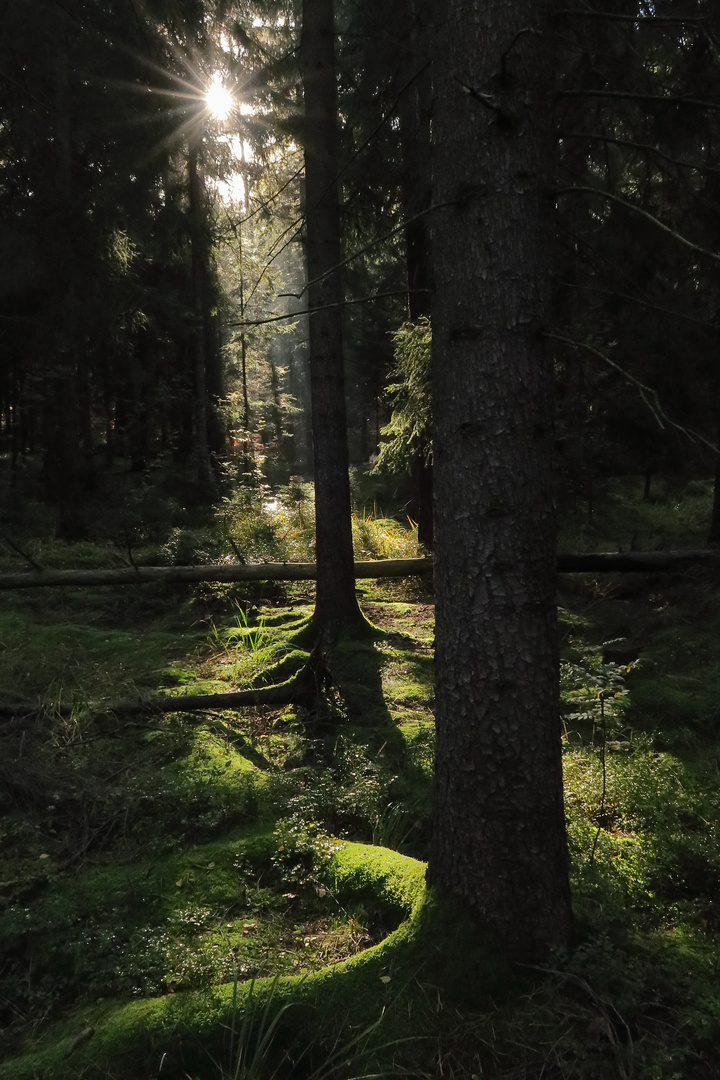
(157,871)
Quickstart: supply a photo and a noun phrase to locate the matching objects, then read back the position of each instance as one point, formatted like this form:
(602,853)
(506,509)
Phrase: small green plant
(252,636)
(303,851)
(594,693)
(253,1053)
(263,1042)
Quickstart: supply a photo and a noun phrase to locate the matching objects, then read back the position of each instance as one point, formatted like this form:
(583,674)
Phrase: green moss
(189,1026)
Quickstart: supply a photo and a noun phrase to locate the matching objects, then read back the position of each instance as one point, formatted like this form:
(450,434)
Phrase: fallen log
(583,562)
(223,573)
(635,561)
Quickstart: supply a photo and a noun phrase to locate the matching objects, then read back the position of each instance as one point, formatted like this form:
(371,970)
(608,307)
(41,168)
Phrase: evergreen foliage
(411,420)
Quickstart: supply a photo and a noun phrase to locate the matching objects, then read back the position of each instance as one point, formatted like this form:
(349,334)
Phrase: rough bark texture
(336,605)
(499,836)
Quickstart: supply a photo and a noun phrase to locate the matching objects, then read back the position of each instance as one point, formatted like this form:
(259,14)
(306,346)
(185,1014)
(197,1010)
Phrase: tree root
(302,689)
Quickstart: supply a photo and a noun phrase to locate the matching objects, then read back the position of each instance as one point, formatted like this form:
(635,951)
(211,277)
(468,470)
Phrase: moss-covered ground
(241,894)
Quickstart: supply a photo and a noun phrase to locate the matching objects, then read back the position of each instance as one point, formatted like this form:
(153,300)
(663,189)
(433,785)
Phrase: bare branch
(674,314)
(648,395)
(20,551)
(373,243)
(697,166)
(611,16)
(644,214)
(233,225)
(664,99)
(342,303)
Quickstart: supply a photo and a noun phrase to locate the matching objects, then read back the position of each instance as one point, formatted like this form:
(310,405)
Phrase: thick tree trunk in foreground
(336,605)
(499,834)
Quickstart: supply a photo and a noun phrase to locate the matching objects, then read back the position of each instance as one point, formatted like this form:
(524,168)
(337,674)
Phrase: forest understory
(241,893)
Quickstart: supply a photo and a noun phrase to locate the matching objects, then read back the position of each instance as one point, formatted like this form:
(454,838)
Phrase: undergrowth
(151,861)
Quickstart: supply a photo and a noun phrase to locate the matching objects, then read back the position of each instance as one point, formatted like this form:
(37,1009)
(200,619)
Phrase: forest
(359,540)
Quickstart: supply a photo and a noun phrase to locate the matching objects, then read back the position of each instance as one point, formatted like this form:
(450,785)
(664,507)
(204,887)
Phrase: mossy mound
(186,1031)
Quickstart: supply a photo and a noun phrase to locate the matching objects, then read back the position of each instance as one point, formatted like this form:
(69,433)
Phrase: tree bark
(336,604)
(499,829)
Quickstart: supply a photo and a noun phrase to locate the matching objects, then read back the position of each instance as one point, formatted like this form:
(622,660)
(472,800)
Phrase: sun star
(218,99)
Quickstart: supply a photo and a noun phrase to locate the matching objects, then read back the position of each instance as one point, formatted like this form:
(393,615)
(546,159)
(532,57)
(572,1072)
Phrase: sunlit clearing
(218,99)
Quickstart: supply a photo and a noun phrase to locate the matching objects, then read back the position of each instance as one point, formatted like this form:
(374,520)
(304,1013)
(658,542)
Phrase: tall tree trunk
(336,604)
(499,834)
(62,460)
(714,533)
(198,258)
(414,110)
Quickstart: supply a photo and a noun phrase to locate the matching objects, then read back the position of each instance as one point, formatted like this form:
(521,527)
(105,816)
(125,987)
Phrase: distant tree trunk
(499,830)
(62,459)
(414,110)
(336,604)
(714,534)
(203,367)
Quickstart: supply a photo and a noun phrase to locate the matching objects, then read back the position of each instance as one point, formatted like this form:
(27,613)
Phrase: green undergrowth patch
(280,526)
(66,661)
(124,872)
(186,868)
(674,516)
(642,765)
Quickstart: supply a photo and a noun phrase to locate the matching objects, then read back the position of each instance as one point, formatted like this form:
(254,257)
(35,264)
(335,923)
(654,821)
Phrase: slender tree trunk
(499,834)
(336,604)
(714,533)
(62,463)
(414,111)
(197,270)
